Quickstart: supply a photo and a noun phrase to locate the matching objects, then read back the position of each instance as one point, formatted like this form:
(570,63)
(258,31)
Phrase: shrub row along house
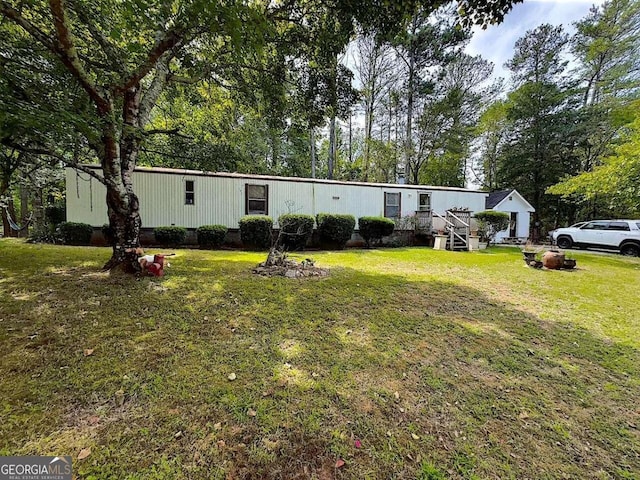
(190,198)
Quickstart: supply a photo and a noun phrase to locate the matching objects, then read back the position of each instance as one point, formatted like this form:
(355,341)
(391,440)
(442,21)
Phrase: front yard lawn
(403,363)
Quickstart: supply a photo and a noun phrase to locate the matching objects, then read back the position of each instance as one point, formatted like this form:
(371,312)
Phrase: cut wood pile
(278,264)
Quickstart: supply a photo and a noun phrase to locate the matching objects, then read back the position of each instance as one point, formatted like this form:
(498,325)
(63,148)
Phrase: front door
(513,225)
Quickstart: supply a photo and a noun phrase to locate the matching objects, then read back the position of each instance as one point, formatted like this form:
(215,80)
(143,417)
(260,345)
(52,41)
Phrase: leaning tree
(113,59)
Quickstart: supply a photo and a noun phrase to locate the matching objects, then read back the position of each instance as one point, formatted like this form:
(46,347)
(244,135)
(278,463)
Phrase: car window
(638,225)
(619,226)
(596,226)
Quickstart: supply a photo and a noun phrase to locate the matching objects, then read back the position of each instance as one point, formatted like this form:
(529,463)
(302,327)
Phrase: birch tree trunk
(312,145)
(332,146)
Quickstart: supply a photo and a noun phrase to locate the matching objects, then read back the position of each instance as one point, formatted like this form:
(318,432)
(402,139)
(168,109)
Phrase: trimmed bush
(211,236)
(297,230)
(255,231)
(55,214)
(372,229)
(490,222)
(72,233)
(44,234)
(170,236)
(335,230)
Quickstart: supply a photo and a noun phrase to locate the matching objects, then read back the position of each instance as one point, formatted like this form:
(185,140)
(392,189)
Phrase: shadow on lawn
(422,373)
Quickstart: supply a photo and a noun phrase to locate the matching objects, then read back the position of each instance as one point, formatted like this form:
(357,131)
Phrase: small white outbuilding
(519,210)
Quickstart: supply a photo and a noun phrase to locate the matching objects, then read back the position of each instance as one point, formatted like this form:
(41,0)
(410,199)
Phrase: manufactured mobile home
(190,198)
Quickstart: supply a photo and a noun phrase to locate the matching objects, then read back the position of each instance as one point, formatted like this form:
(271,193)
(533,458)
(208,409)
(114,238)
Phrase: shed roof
(495,198)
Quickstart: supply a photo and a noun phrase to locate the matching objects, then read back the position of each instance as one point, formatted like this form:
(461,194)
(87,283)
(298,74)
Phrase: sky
(497,42)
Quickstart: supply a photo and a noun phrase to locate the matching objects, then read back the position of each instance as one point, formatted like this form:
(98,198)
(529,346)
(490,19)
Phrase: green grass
(443,365)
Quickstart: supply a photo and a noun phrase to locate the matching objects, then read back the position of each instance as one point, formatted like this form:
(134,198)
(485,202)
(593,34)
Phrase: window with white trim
(392,204)
(424,202)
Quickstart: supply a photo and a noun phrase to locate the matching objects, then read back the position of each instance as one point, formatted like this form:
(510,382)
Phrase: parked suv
(622,235)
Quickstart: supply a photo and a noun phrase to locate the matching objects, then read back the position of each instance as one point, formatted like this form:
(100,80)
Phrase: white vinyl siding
(221,198)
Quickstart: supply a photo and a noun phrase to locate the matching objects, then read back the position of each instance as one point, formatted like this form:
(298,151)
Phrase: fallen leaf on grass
(251,412)
(397,395)
(178,434)
(415,437)
(93,420)
(88,352)
(217,426)
(232,376)
(84,453)
(339,463)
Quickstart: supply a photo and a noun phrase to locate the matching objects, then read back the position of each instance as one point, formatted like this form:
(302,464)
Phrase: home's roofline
(531,208)
(198,173)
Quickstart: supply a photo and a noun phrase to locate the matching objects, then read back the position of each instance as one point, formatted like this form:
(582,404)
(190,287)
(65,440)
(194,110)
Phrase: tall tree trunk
(38,209)
(118,164)
(368,119)
(312,144)
(408,149)
(24,209)
(4,190)
(9,210)
(350,139)
(332,146)
(389,124)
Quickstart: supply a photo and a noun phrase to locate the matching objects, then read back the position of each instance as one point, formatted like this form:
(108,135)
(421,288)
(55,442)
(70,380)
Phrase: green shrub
(170,236)
(43,234)
(372,229)
(490,222)
(335,230)
(55,214)
(296,230)
(211,236)
(72,233)
(255,231)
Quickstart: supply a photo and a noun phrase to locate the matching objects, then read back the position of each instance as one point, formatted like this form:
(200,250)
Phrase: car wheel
(630,249)
(564,242)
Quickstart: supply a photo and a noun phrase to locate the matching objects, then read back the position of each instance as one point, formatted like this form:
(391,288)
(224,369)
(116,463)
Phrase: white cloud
(496,43)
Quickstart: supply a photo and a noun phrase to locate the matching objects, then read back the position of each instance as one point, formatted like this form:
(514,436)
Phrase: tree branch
(155,89)
(109,49)
(171,39)
(49,153)
(168,131)
(13,15)
(66,50)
